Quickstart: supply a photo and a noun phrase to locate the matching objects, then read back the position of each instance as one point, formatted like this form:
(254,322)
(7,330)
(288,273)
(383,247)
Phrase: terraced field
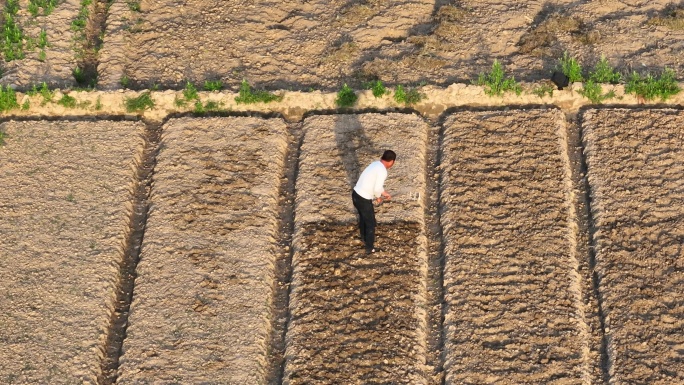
(63,228)
(153,234)
(636,189)
(205,278)
(356,317)
(513,296)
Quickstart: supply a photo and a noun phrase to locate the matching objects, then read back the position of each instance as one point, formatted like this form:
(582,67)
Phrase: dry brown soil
(322,44)
(635,178)
(354,317)
(203,296)
(65,196)
(514,313)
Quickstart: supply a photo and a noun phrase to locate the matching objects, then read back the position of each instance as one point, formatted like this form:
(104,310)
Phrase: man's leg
(356,199)
(366,219)
(370,227)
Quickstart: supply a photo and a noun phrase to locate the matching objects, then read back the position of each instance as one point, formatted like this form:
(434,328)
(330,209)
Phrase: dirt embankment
(202,305)
(514,303)
(635,162)
(65,204)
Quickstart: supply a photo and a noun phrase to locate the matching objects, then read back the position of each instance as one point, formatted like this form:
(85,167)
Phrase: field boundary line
(139,210)
(295,105)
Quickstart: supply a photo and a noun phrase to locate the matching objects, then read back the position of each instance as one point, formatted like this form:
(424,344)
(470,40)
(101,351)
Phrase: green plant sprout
(140,103)
(11,34)
(8,99)
(407,97)
(603,72)
(571,68)
(67,101)
(190,92)
(247,96)
(594,92)
(346,97)
(213,85)
(496,83)
(377,88)
(650,87)
(79,75)
(543,90)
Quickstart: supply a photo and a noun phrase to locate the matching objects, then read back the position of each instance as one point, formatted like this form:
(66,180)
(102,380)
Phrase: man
(370,188)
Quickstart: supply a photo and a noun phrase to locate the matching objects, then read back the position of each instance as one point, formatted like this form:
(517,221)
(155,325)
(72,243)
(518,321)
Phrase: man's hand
(385,196)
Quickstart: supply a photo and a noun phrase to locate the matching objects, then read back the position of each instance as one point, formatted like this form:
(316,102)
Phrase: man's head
(388,158)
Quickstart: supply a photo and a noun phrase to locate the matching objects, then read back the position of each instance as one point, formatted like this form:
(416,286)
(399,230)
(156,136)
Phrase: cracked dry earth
(322,44)
(519,307)
(553,254)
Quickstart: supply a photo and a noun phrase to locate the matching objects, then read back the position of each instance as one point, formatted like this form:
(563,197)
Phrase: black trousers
(366,219)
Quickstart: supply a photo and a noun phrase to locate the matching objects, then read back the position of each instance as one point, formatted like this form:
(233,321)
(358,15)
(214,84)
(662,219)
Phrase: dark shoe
(373,250)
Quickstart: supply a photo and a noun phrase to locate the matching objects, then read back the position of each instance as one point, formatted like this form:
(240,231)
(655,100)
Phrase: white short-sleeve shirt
(372,180)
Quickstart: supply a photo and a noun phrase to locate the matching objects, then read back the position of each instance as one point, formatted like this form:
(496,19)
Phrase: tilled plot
(58,58)
(202,301)
(65,198)
(514,312)
(355,319)
(324,43)
(278,44)
(635,160)
(358,319)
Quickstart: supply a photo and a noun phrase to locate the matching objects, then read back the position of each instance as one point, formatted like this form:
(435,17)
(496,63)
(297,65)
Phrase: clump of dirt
(542,40)
(355,316)
(672,17)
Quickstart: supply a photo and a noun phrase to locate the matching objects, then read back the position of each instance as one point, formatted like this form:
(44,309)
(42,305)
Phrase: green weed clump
(346,97)
(125,81)
(78,75)
(134,5)
(377,88)
(650,87)
(571,68)
(42,39)
(26,105)
(67,101)
(12,36)
(46,93)
(496,83)
(2,138)
(593,91)
(8,99)
(140,103)
(213,85)
(544,89)
(47,5)
(79,23)
(407,96)
(247,96)
(199,107)
(603,72)
(190,92)
(212,105)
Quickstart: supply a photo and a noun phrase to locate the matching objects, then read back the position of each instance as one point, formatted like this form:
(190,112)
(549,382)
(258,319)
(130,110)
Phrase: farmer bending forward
(370,187)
